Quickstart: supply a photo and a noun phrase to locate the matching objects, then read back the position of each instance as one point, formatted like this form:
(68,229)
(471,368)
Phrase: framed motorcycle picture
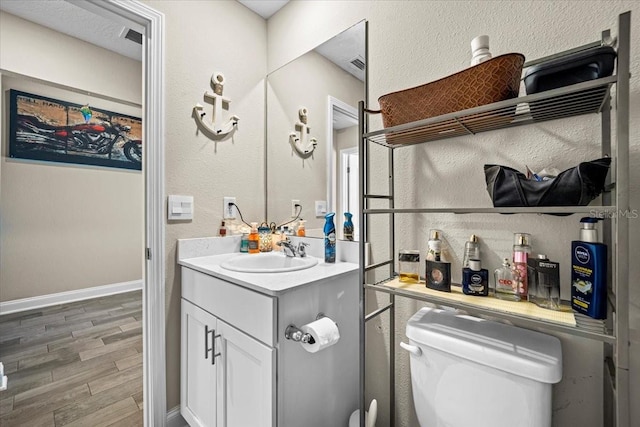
(42,128)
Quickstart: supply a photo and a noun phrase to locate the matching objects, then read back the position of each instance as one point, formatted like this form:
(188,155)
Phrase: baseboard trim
(174,419)
(24,304)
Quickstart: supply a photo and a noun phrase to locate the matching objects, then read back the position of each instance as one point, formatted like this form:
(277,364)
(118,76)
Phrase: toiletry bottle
(506,282)
(480,50)
(589,272)
(521,251)
(329,238)
(475,279)
(301,229)
(244,243)
(254,239)
(409,266)
(544,282)
(223,230)
(348,226)
(471,250)
(435,247)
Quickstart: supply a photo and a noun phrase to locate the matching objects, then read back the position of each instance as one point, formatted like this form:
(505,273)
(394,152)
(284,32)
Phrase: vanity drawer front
(248,311)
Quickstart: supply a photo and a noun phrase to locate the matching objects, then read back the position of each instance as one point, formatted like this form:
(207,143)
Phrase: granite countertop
(267,283)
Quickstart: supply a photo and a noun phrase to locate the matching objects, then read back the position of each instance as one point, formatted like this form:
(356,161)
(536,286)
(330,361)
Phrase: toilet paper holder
(295,334)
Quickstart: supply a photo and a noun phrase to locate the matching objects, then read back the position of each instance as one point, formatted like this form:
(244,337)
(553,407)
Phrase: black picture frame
(53,130)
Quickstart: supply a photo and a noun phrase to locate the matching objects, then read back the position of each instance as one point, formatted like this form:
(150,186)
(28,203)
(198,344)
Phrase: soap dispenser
(254,239)
(329,238)
(589,271)
(301,228)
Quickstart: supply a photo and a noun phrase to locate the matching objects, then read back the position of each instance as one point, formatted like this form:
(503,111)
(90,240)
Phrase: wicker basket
(491,81)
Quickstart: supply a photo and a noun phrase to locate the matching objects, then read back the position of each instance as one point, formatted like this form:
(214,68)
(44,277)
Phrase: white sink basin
(268,262)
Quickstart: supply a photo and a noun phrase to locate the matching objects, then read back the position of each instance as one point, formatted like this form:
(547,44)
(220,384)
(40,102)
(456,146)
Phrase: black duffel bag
(573,187)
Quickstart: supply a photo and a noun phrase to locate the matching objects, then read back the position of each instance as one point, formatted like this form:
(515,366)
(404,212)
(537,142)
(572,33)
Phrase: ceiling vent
(129,34)
(357,62)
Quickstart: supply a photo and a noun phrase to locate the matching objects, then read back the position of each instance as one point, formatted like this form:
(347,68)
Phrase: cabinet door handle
(213,346)
(208,331)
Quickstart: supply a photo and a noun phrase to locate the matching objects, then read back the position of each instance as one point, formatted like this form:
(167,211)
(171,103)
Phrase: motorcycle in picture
(87,138)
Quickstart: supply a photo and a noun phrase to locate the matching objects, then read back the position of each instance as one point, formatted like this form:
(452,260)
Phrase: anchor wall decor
(213,129)
(299,139)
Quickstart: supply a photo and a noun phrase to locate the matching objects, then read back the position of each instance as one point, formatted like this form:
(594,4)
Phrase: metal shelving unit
(580,99)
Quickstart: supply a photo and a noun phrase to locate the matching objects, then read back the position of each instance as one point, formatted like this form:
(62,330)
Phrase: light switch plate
(180,207)
(321,207)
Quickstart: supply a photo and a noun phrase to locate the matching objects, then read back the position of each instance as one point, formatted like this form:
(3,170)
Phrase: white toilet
(467,371)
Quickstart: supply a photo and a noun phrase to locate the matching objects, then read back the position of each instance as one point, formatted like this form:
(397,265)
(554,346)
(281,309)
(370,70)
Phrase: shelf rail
(579,99)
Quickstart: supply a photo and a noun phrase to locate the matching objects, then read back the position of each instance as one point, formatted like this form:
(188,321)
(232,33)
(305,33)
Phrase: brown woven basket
(491,81)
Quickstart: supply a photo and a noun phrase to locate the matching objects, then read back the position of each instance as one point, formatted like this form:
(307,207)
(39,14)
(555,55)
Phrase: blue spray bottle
(329,238)
(348,226)
(589,271)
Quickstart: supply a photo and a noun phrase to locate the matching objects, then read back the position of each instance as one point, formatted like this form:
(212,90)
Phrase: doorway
(151,26)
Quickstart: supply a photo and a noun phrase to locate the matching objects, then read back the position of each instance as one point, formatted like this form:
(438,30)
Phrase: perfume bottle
(471,250)
(223,230)
(409,266)
(506,282)
(544,282)
(521,251)
(435,247)
(475,279)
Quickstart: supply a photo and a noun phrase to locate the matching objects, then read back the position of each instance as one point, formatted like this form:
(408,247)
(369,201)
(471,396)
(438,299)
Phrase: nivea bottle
(589,272)
(329,238)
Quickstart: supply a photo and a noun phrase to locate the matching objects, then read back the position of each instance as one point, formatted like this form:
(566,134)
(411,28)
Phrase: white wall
(65,227)
(411,43)
(308,81)
(203,37)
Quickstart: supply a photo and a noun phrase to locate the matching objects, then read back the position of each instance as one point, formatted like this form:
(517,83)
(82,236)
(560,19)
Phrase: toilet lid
(508,348)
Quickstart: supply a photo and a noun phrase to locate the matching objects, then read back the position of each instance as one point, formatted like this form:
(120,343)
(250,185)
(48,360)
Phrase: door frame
(334,106)
(151,25)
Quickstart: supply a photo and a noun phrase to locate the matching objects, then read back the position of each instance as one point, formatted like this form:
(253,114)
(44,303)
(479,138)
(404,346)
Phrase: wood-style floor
(76,364)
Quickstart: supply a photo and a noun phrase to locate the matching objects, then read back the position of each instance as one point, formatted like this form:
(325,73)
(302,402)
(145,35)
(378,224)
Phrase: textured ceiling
(75,21)
(344,47)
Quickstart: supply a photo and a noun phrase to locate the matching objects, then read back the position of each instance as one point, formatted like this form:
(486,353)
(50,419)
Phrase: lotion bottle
(589,271)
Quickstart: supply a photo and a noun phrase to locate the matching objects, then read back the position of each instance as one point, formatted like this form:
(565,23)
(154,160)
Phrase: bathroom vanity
(237,367)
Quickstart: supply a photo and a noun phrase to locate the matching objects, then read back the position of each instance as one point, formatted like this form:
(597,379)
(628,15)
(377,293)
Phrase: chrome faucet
(287,247)
(291,250)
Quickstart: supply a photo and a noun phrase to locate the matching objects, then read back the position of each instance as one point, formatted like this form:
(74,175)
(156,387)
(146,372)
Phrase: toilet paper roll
(325,333)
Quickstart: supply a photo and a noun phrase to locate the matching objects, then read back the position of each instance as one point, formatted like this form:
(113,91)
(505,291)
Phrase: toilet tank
(474,372)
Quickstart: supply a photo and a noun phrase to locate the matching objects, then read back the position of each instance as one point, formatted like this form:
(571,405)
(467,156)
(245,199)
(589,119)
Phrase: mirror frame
(151,22)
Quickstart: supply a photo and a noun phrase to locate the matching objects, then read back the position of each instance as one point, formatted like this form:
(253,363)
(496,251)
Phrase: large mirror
(312,133)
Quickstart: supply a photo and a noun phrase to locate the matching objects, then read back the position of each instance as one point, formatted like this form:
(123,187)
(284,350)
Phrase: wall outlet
(230,212)
(294,208)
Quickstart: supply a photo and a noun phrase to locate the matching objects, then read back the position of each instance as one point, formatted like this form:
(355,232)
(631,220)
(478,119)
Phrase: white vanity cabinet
(261,378)
(227,375)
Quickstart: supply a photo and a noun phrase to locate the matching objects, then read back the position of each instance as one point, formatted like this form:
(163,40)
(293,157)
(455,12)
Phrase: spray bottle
(329,238)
